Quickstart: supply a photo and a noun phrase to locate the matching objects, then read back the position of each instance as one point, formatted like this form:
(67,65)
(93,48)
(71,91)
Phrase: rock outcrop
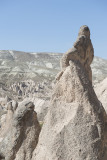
(19,132)
(82,50)
(75,127)
(101,91)
(41,108)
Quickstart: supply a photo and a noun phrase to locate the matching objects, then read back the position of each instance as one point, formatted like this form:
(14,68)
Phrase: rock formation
(19,132)
(101,91)
(40,107)
(75,127)
(82,50)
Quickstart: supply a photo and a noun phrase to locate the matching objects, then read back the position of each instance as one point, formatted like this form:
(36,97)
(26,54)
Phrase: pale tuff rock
(101,91)
(75,127)
(40,107)
(82,50)
(19,133)
(5,105)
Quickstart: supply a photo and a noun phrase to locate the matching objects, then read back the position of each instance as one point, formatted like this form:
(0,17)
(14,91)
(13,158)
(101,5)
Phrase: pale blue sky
(51,25)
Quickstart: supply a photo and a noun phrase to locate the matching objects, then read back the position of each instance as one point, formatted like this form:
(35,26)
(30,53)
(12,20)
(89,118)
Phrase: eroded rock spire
(75,125)
(81,51)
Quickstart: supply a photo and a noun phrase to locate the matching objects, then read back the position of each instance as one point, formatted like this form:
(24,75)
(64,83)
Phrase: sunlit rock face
(101,91)
(82,50)
(75,125)
(74,121)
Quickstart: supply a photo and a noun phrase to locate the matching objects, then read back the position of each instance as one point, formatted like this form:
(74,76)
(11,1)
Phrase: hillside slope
(17,65)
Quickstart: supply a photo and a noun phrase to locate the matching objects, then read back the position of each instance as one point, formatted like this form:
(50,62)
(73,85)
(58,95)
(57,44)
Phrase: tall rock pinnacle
(75,127)
(82,50)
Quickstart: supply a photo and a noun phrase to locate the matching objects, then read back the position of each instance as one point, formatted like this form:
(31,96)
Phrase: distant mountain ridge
(18,65)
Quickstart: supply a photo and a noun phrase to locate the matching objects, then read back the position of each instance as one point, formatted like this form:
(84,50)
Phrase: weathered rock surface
(101,91)
(19,132)
(75,127)
(82,50)
(40,107)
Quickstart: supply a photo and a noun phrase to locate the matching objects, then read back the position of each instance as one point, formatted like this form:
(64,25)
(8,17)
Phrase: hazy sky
(51,25)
